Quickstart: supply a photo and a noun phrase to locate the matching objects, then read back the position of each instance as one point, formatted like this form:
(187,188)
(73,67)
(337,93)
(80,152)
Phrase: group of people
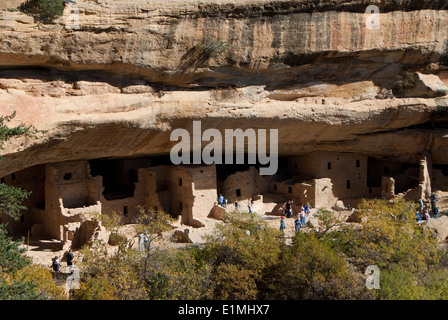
(143,241)
(423,213)
(56,264)
(300,221)
(222,201)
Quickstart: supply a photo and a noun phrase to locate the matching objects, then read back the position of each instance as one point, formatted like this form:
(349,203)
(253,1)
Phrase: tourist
(288,209)
(236,206)
(146,240)
(427,217)
(307,208)
(69,257)
(220,200)
(297,225)
(418,217)
(420,202)
(435,212)
(302,216)
(433,200)
(56,264)
(225,203)
(140,241)
(282,224)
(249,204)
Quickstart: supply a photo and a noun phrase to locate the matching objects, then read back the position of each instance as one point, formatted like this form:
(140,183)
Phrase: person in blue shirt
(433,201)
(220,200)
(282,224)
(297,225)
(419,218)
(420,202)
(435,211)
(307,208)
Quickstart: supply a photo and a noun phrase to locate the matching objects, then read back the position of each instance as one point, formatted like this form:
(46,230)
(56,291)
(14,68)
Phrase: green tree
(10,197)
(109,275)
(178,273)
(47,10)
(389,237)
(19,279)
(239,252)
(311,269)
(125,274)
(398,283)
(12,259)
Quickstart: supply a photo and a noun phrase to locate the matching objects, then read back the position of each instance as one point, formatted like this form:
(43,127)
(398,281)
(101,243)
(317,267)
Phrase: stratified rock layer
(115,80)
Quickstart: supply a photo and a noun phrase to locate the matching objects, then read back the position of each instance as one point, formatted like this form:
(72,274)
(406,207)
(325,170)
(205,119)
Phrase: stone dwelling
(65,194)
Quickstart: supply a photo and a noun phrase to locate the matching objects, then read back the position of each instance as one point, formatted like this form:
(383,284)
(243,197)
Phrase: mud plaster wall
(388,187)
(174,189)
(125,207)
(181,189)
(317,192)
(348,172)
(52,223)
(151,197)
(249,183)
(70,191)
(324,197)
(204,190)
(406,177)
(377,169)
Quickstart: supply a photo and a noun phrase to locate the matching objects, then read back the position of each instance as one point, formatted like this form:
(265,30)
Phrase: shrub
(116,239)
(47,10)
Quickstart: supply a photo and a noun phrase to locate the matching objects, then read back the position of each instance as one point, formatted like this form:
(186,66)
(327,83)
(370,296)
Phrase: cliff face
(117,78)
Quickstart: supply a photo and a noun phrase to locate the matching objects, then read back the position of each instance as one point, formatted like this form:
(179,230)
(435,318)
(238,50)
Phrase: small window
(13,176)
(386,170)
(329,165)
(348,184)
(238,192)
(2,180)
(289,189)
(275,187)
(125,211)
(180,182)
(181,206)
(358,163)
(67,176)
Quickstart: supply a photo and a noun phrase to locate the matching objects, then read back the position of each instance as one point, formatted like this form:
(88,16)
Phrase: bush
(47,10)
(116,239)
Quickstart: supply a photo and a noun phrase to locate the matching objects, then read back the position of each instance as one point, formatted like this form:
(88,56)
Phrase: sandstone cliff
(113,78)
